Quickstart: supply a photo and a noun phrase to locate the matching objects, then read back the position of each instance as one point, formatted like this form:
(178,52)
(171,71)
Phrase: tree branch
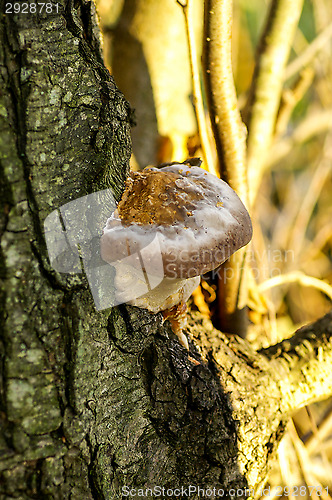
(228,129)
(266,386)
(229,134)
(303,364)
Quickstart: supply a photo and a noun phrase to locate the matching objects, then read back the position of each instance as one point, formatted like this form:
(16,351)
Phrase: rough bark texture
(64,133)
(93,401)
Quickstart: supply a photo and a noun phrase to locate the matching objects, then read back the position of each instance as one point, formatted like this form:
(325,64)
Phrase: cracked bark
(92,401)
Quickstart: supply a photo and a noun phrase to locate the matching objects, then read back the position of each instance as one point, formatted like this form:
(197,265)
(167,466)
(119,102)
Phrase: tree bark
(93,402)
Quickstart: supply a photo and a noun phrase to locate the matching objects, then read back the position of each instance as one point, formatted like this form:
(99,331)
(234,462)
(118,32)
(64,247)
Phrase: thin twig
(306,57)
(315,246)
(187,8)
(290,97)
(313,125)
(297,277)
(309,201)
(264,96)
(286,460)
(324,429)
(314,428)
(317,491)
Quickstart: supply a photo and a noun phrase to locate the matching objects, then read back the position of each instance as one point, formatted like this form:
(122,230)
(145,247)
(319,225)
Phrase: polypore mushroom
(196,220)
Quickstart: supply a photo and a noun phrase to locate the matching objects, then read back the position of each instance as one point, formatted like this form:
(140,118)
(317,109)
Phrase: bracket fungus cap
(199,221)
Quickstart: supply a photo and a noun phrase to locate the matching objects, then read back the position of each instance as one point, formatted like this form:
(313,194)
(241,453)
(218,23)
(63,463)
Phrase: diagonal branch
(265,387)
(303,364)
(307,56)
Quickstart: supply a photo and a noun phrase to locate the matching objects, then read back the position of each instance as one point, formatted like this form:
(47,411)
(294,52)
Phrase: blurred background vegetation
(146,49)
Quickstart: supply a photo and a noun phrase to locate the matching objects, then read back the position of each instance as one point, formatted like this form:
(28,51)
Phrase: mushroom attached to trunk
(197,220)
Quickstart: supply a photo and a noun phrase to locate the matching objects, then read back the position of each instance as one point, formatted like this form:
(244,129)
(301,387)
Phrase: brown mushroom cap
(198,220)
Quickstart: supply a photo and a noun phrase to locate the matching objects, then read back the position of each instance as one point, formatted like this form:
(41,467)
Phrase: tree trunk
(98,405)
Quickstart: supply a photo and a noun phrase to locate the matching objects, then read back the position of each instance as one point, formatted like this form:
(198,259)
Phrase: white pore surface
(132,287)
